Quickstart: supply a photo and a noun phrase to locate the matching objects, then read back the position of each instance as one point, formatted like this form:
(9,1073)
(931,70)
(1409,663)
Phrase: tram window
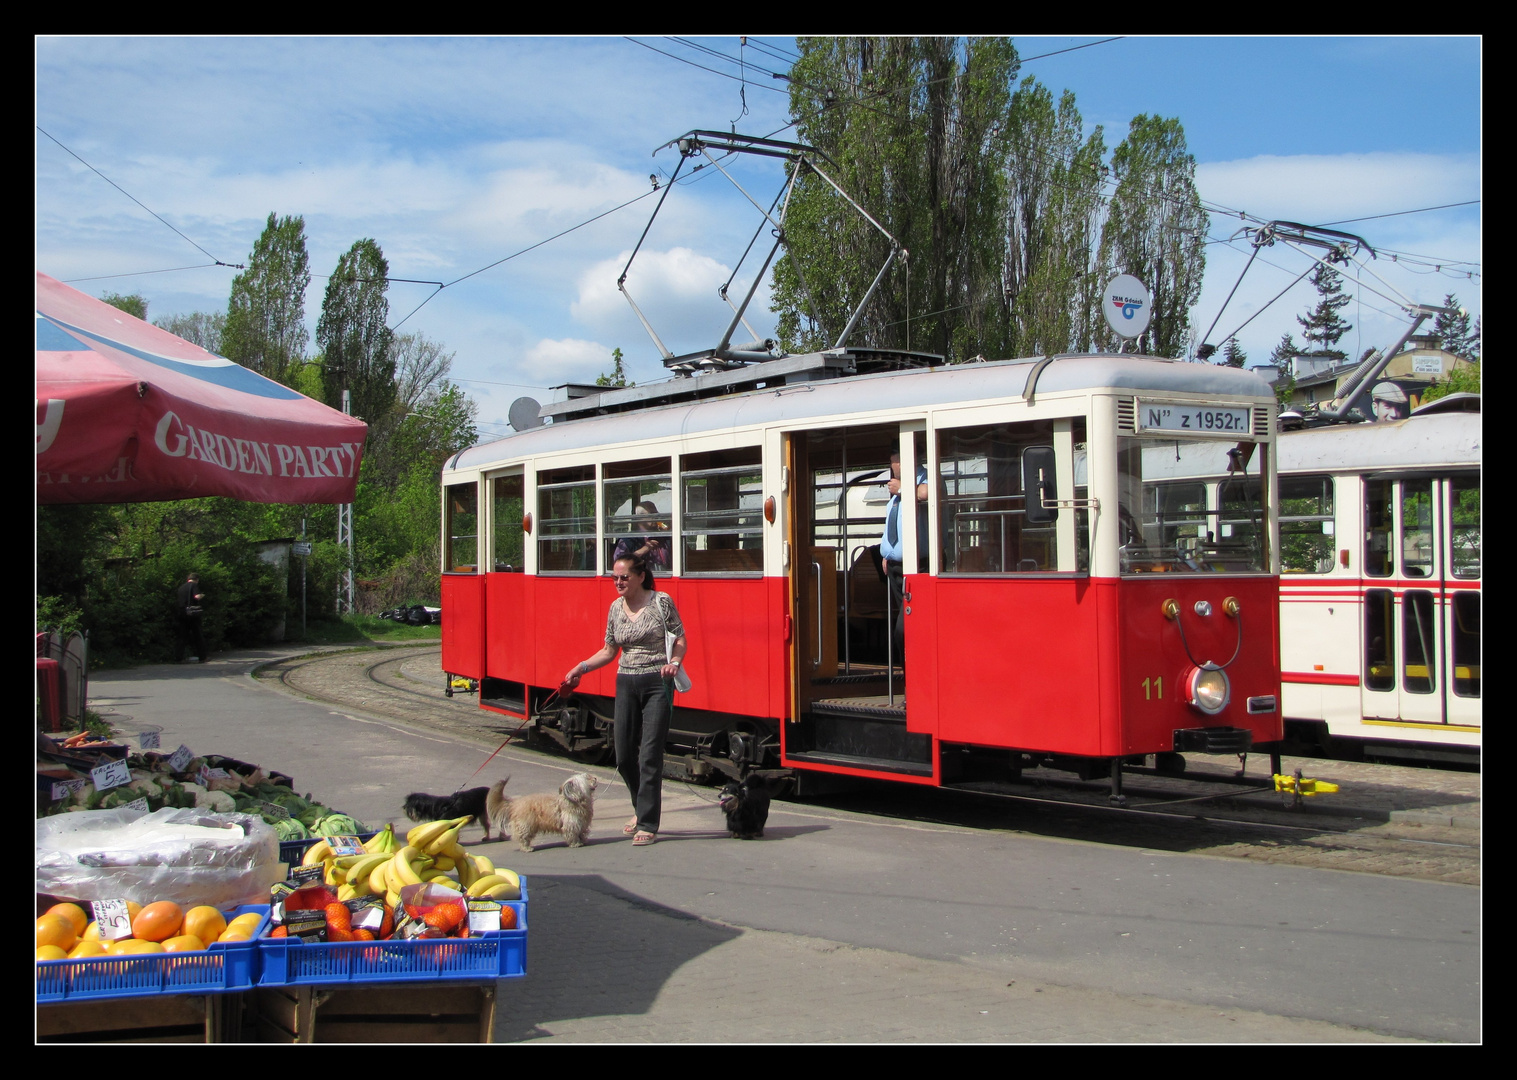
(638,503)
(1417,528)
(1306,524)
(1163,518)
(566,520)
(463,528)
(723,512)
(1379,625)
(1464,530)
(1419,647)
(1467,644)
(508,510)
(983,515)
(1378,525)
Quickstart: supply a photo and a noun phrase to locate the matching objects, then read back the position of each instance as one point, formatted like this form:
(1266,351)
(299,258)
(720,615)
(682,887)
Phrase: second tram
(1063,603)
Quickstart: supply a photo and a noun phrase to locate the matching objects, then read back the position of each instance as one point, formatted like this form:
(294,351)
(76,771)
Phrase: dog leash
(545,707)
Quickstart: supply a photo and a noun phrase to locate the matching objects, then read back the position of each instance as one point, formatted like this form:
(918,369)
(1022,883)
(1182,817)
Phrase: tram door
(1422,623)
(848,663)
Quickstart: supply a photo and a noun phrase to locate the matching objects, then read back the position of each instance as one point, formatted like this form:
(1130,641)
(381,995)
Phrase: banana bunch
(499,885)
(382,842)
(432,853)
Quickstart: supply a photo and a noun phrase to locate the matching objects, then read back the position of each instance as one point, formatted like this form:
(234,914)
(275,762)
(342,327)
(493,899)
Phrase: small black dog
(422,807)
(747,808)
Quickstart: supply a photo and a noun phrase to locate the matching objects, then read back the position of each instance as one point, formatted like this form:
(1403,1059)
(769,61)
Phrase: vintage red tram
(1059,606)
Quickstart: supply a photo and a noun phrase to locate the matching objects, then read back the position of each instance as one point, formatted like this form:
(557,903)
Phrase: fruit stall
(201,898)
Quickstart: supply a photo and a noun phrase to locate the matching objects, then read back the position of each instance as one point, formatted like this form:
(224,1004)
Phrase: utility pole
(345,526)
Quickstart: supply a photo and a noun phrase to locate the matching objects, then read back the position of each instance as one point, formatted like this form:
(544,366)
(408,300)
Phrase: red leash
(544,707)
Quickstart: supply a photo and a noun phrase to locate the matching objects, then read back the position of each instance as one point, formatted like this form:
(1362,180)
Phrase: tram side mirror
(1038,484)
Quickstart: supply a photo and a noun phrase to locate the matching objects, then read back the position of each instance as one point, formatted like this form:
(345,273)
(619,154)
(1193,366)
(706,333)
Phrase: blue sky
(454,153)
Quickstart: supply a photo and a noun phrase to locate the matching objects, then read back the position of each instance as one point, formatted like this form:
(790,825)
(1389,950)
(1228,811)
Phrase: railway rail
(1368,827)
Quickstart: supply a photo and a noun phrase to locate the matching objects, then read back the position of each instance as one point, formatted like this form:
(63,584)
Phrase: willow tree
(1156,230)
(1053,223)
(918,130)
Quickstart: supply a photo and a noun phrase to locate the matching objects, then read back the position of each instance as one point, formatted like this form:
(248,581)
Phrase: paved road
(847,926)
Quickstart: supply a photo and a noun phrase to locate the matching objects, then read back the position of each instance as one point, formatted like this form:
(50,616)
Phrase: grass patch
(360,628)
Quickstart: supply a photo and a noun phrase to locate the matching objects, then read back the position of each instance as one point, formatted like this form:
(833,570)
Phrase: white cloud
(1317,188)
(552,362)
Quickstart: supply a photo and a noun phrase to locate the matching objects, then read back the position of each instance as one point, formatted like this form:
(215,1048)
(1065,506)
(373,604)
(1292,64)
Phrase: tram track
(398,683)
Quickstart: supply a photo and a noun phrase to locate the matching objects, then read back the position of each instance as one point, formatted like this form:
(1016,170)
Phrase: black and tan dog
(746,805)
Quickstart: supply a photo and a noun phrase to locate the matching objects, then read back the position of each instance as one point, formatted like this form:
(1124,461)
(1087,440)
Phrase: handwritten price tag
(206,775)
(62,789)
(112,917)
(273,810)
(180,760)
(138,804)
(111,774)
(148,740)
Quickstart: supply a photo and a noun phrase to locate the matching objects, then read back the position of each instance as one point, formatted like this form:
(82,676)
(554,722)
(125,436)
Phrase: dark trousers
(644,704)
(191,634)
(896,581)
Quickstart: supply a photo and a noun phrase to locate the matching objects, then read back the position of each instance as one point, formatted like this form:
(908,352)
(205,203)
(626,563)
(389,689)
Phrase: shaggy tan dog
(526,816)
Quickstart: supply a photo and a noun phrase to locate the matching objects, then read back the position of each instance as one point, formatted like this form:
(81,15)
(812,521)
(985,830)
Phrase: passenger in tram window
(891,547)
(636,627)
(647,544)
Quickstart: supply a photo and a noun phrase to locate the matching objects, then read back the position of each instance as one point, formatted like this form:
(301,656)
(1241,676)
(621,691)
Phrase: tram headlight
(1207,688)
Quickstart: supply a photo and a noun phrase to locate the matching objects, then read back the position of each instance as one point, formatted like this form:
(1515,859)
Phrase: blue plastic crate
(292,851)
(499,954)
(232,965)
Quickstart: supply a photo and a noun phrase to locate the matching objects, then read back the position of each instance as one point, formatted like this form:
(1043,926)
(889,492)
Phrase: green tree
(1156,230)
(1280,357)
(918,130)
(617,376)
(204,328)
(135,304)
(1453,331)
(1233,354)
(1461,380)
(1053,222)
(353,334)
(265,325)
(1323,327)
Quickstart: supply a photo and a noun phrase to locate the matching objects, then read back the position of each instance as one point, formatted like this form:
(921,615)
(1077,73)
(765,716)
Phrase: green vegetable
(290,829)
(338,825)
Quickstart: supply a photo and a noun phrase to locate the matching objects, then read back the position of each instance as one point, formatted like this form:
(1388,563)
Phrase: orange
(56,930)
(86,949)
(74,913)
(183,943)
(248,921)
(128,946)
(158,922)
(50,952)
(204,922)
(234,935)
(91,932)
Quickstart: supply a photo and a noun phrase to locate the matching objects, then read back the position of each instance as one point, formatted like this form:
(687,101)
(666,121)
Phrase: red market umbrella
(127,412)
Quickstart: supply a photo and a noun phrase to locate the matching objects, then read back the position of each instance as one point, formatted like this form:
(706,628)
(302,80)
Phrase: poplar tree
(1156,230)
(354,336)
(265,325)
(1053,223)
(918,130)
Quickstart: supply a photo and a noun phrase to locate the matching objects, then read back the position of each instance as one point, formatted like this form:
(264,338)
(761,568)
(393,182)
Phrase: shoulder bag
(682,681)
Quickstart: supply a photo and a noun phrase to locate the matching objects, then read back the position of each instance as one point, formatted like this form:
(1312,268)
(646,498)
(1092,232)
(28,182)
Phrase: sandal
(629,828)
(643,839)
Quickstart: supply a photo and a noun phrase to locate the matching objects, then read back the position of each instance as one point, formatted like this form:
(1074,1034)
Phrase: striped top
(640,637)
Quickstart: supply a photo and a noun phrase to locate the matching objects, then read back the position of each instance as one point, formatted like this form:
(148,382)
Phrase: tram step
(875,707)
(853,761)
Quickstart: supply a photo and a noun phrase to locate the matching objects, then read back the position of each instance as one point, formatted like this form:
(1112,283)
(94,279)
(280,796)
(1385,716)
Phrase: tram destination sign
(1202,420)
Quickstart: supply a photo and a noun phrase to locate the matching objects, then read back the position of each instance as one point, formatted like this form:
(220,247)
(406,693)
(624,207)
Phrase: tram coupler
(1299,787)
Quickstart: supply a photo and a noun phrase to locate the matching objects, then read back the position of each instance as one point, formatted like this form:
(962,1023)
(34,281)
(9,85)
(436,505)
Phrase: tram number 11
(1153,689)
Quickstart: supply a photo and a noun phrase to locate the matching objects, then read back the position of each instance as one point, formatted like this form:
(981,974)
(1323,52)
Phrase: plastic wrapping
(189,856)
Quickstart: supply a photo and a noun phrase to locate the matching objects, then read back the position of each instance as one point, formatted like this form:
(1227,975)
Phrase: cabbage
(290,829)
(338,825)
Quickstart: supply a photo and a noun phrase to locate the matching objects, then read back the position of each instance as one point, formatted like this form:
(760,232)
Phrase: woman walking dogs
(635,626)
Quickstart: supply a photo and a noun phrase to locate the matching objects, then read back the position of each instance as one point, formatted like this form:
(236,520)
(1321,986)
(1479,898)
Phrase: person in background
(189,602)
(647,544)
(892,547)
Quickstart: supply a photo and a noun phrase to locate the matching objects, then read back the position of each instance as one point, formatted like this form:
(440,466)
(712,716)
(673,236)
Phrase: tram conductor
(892,548)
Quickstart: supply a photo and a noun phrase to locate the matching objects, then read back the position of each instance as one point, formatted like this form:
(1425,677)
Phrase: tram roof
(1433,439)
(886,391)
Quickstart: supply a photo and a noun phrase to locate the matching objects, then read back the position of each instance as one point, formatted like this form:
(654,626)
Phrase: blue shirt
(891,549)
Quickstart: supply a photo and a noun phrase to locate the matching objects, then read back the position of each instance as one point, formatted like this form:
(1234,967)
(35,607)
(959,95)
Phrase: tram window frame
(1379,525)
(1416,548)
(648,480)
(738,528)
(1379,639)
(1238,540)
(1465,630)
(1464,526)
(1307,532)
(507,509)
(461,502)
(563,537)
(979,533)
(1419,642)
